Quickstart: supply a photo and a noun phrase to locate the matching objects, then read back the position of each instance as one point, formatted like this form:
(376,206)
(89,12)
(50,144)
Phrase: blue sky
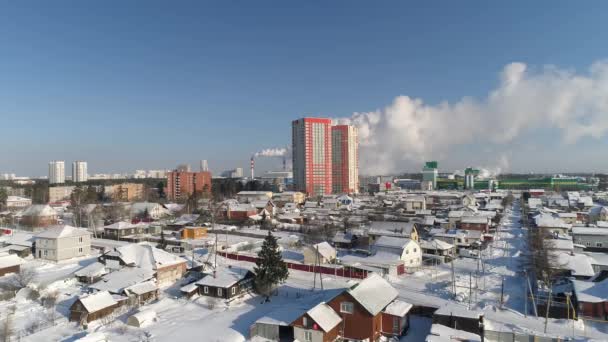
(148,85)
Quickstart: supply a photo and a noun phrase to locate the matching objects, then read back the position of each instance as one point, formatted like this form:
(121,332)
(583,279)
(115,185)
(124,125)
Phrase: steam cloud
(271,152)
(410,131)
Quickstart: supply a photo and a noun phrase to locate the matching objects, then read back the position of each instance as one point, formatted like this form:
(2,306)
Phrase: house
(551,224)
(344,240)
(322,253)
(10,263)
(265,207)
(117,282)
(319,324)
(593,238)
(591,299)
(478,223)
(240,212)
(569,218)
(92,307)
(154,211)
(598,213)
(142,292)
(414,203)
(360,308)
(194,232)
(91,273)
(276,325)
(121,229)
(436,249)
(441,333)
(451,315)
(38,216)
(62,243)
(408,250)
(251,196)
(17,202)
(226,283)
(396,318)
(166,267)
(395,229)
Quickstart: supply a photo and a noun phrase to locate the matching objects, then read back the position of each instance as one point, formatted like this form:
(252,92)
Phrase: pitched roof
(145,255)
(39,210)
(392,242)
(591,292)
(97,301)
(224,277)
(324,316)
(398,308)
(10,260)
(325,249)
(373,293)
(120,225)
(62,232)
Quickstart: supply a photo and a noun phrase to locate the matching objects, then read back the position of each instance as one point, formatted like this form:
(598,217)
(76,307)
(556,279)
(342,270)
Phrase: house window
(234,290)
(305,322)
(598,244)
(46,253)
(219,292)
(206,289)
(80,250)
(415,250)
(347,307)
(308,336)
(396,327)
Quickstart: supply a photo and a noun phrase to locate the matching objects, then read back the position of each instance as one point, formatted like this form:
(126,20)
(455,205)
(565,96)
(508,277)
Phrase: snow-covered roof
(145,255)
(97,301)
(474,219)
(374,293)
(141,288)
(591,292)
(283,316)
(441,333)
(189,288)
(435,244)
(391,228)
(116,282)
(559,244)
(325,250)
(92,270)
(589,231)
(578,264)
(549,221)
(224,277)
(398,308)
(342,237)
(324,316)
(62,232)
(455,213)
(39,210)
(451,309)
(392,242)
(10,260)
(120,225)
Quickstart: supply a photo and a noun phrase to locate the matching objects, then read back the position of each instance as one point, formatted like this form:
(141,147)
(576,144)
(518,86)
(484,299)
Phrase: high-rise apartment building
(345,159)
(311,145)
(57,172)
(182,184)
(204,165)
(79,171)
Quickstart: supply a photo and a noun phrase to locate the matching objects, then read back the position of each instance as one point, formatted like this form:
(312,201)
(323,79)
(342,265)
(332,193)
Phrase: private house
(361,307)
(252,196)
(62,243)
(593,238)
(591,299)
(598,213)
(121,229)
(396,318)
(166,267)
(154,211)
(91,273)
(239,212)
(551,224)
(569,218)
(344,240)
(436,249)
(10,263)
(319,324)
(466,320)
(226,283)
(265,207)
(415,203)
(143,292)
(408,250)
(92,307)
(322,253)
(478,223)
(17,202)
(194,232)
(284,197)
(394,229)
(38,216)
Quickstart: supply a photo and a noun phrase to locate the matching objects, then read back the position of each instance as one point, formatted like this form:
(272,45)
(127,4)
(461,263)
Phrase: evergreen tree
(162,244)
(270,269)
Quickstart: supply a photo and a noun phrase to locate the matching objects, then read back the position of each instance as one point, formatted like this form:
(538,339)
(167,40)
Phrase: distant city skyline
(164,84)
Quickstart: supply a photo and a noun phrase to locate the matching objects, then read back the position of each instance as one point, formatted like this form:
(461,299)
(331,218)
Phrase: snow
(398,308)
(142,288)
(325,316)
(224,277)
(374,293)
(93,270)
(282,316)
(591,292)
(325,250)
(97,301)
(145,255)
(116,282)
(10,260)
(589,231)
(441,333)
(93,337)
(458,311)
(142,319)
(392,242)
(63,231)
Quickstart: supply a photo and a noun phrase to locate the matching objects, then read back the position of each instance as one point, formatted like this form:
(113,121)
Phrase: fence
(336,271)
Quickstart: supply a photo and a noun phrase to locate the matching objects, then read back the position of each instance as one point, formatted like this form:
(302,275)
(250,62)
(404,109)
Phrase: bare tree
(7,326)
(22,279)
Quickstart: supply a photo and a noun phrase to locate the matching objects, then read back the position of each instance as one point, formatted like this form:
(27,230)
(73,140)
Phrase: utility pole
(470,288)
(502,292)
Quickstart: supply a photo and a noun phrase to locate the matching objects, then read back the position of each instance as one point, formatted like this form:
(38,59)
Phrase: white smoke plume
(408,131)
(272,152)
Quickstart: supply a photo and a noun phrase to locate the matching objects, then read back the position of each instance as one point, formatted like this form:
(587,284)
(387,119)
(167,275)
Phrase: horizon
(169,84)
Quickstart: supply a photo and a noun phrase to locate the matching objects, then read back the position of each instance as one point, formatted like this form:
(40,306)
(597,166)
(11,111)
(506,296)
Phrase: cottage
(118,281)
(91,273)
(62,243)
(436,249)
(121,229)
(91,307)
(276,325)
(143,292)
(10,263)
(408,250)
(395,229)
(591,299)
(593,238)
(239,212)
(478,223)
(322,253)
(451,315)
(226,283)
(361,308)
(396,318)
(38,216)
(551,224)
(319,324)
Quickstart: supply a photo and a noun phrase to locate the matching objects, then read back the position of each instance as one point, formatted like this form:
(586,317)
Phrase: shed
(142,319)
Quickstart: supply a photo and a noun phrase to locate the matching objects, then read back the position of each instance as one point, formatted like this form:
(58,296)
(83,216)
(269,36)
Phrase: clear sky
(132,85)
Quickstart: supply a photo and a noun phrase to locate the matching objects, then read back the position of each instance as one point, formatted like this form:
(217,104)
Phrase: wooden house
(319,324)
(226,283)
(10,263)
(396,318)
(92,307)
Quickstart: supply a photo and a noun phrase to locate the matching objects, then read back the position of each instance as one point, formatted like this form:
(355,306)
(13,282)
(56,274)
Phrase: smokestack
(252,167)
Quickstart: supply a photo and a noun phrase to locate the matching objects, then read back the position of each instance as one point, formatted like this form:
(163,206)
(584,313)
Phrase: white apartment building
(57,172)
(79,171)
(62,243)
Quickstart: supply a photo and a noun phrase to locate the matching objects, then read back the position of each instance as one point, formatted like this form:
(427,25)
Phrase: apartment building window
(347,307)
(80,239)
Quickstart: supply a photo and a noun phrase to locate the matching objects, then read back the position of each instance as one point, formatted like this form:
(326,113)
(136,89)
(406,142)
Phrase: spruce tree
(270,269)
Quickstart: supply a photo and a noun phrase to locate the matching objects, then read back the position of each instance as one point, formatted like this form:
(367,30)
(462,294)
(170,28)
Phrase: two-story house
(62,243)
